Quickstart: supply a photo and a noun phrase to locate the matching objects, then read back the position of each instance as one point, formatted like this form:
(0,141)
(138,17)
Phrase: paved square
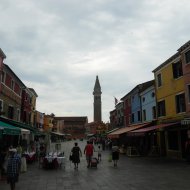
(137,173)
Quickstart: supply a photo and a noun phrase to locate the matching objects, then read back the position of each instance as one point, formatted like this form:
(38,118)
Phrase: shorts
(88,157)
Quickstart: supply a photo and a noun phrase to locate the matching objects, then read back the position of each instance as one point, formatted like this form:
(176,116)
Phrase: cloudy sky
(58,47)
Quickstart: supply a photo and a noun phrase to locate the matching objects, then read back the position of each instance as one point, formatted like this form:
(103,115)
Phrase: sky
(57,47)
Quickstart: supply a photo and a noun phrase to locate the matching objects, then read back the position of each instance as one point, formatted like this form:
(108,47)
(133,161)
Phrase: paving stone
(132,174)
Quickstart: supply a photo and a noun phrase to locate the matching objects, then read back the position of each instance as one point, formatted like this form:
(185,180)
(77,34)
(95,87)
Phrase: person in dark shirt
(13,168)
(76,153)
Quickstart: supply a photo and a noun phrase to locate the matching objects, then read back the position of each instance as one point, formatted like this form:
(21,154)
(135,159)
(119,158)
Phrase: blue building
(148,102)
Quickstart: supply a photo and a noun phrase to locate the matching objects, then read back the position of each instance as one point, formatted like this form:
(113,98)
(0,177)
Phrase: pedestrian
(76,153)
(13,168)
(88,151)
(115,154)
(99,153)
(187,150)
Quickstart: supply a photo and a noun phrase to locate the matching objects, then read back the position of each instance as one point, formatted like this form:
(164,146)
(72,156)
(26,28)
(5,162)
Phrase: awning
(39,133)
(9,129)
(112,130)
(25,131)
(118,132)
(57,133)
(90,135)
(152,128)
(17,124)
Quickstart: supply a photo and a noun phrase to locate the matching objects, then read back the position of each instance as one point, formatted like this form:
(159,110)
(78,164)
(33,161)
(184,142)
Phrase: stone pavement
(137,173)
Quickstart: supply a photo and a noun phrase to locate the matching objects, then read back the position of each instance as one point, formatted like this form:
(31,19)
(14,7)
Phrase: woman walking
(76,153)
(115,154)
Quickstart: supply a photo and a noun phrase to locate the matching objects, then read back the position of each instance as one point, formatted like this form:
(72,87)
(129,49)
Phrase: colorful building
(171,106)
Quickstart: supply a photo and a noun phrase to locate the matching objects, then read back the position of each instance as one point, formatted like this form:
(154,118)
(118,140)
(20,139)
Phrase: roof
(97,87)
(184,46)
(141,87)
(173,57)
(15,75)
(2,54)
(33,91)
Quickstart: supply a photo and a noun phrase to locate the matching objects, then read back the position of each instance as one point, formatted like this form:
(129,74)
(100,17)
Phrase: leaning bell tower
(97,101)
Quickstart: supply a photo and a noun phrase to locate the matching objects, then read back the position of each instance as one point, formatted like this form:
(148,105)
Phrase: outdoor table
(53,161)
(30,156)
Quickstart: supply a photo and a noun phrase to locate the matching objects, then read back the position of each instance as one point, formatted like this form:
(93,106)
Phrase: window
(187,57)
(139,115)
(18,114)
(188,89)
(26,97)
(144,115)
(153,94)
(11,112)
(177,70)
(159,80)
(161,108)
(132,118)
(3,77)
(180,103)
(154,112)
(143,99)
(12,84)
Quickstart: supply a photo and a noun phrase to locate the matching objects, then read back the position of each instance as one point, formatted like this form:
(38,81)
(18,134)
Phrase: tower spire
(97,101)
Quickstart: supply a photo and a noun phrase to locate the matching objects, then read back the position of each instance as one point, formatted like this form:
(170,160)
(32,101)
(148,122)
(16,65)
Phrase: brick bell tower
(97,101)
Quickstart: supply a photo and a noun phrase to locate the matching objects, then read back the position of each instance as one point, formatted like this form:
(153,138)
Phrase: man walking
(13,168)
(88,151)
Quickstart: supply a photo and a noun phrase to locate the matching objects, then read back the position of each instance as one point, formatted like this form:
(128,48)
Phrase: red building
(11,93)
(113,119)
(75,126)
(127,109)
(26,106)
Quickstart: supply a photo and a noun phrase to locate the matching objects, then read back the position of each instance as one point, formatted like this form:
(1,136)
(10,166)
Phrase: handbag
(110,158)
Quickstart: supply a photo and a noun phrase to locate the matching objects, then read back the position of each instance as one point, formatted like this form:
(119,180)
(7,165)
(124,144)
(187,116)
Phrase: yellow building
(170,97)
(170,89)
(33,106)
(48,123)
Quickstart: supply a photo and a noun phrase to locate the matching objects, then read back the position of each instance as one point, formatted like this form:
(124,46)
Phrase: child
(99,153)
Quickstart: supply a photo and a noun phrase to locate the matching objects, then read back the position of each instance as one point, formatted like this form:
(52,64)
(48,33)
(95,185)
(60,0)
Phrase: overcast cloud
(58,47)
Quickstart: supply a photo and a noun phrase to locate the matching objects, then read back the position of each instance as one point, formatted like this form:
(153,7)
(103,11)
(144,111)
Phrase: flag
(116,100)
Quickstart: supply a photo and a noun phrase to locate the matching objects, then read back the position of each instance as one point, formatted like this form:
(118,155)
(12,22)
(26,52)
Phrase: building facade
(171,106)
(11,94)
(33,105)
(148,103)
(127,109)
(74,126)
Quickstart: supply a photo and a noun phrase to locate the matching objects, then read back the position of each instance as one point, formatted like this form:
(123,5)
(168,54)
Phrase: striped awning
(117,133)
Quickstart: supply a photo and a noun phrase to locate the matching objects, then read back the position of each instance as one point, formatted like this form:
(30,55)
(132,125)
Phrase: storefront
(9,135)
